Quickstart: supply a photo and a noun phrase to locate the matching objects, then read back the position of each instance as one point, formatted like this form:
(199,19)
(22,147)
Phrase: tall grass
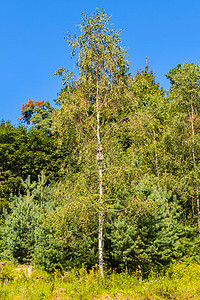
(180,281)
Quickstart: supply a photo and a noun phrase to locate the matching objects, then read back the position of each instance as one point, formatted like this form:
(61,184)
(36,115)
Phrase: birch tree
(96,100)
(185,95)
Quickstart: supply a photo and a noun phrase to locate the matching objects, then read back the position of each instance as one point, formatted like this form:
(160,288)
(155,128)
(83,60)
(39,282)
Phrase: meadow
(179,281)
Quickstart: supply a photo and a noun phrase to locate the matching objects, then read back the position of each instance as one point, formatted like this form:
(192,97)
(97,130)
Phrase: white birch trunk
(99,160)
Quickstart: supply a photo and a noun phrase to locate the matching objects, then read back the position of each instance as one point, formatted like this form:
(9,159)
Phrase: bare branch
(123,209)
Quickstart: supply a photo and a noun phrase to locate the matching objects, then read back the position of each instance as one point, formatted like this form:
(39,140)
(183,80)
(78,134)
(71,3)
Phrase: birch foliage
(101,64)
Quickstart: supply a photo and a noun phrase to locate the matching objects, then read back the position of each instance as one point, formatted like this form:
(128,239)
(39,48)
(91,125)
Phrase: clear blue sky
(32,45)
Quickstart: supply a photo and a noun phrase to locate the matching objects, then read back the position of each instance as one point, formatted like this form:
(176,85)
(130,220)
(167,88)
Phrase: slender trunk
(100,222)
(99,160)
(126,267)
(140,273)
(156,155)
(198,208)
(193,210)
(194,163)
(193,141)
(41,196)
(165,177)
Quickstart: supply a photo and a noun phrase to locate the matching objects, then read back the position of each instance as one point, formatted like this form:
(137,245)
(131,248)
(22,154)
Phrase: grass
(180,281)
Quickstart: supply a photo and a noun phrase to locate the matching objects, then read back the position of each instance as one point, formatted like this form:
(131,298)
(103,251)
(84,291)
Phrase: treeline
(117,161)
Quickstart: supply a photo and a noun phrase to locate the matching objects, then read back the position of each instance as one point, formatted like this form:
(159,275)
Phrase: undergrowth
(180,281)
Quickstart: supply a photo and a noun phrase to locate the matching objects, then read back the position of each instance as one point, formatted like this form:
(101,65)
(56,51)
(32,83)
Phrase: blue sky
(33,47)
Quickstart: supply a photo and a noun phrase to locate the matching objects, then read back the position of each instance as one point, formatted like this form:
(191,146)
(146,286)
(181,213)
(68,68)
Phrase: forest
(110,175)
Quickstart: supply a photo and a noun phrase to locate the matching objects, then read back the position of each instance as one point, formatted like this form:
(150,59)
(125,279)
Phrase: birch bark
(99,161)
